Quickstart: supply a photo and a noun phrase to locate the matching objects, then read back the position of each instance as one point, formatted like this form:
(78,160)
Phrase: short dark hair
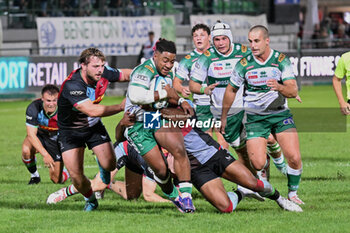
(151,33)
(51,89)
(201,26)
(260,28)
(90,52)
(163,45)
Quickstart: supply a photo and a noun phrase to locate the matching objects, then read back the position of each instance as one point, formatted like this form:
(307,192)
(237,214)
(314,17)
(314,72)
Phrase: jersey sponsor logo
(150,68)
(188,57)
(197,65)
(263,74)
(141,77)
(252,76)
(29,117)
(76,93)
(288,121)
(215,58)
(244,62)
(281,57)
(244,48)
(195,59)
(250,67)
(274,64)
(207,53)
(218,68)
(238,55)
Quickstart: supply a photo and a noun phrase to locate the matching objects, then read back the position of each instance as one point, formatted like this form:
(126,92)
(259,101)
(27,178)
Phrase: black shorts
(212,169)
(76,138)
(50,144)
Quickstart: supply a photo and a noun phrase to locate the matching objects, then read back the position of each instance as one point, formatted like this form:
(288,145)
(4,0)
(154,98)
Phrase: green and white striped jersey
(142,76)
(217,68)
(259,99)
(183,72)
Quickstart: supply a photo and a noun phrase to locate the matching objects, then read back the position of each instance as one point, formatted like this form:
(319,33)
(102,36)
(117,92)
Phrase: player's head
(151,35)
(200,37)
(221,36)
(164,56)
(49,95)
(259,40)
(92,63)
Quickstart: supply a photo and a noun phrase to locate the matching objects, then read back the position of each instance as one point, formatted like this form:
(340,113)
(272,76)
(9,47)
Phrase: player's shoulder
(242,49)
(345,56)
(209,53)
(146,69)
(280,57)
(35,105)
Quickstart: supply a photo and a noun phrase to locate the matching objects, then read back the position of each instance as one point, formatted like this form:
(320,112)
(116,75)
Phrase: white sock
(35,174)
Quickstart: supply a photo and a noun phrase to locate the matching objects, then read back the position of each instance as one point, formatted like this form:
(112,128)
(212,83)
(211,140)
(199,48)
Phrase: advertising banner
(113,35)
(240,24)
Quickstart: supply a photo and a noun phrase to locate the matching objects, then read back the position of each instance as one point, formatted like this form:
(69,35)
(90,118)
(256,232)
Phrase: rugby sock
(65,175)
(70,190)
(173,195)
(185,189)
(31,166)
(234,200)
(104,174)
(273,148)
(89,196)
(294,177)
(268,190)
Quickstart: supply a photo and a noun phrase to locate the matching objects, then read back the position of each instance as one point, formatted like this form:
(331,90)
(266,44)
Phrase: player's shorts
(77,138)
(234,130)
(50,144)
(263,125)
(142,139)
(212,169)
(203,114)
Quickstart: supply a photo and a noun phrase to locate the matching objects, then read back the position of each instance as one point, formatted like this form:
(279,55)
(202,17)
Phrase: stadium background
(25,68)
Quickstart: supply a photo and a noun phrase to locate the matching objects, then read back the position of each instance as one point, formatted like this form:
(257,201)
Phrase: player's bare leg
(289,142)
(172,140)
(74,162)
(29,160)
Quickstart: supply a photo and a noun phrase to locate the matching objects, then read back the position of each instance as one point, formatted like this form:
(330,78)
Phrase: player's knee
(26,152)
(178,151)
(257,165)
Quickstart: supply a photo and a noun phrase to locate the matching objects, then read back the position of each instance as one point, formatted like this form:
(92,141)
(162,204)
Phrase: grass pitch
(325,188)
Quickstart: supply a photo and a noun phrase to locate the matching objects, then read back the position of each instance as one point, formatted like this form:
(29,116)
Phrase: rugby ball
(157,84)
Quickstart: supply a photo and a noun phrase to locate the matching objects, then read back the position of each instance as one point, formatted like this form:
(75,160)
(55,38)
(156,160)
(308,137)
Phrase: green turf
(325,188)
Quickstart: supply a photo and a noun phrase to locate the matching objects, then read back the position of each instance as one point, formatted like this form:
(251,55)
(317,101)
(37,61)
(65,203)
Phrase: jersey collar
(263,63)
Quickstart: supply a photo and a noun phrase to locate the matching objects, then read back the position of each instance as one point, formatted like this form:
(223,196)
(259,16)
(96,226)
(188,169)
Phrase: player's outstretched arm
(148,190)
(125,75)
(344,106)
(229,97)
(97,110)
(198,89)
(127,120)
(184,90)
(34,140)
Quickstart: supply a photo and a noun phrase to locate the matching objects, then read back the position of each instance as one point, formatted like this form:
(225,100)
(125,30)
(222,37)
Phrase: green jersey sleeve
(286,68)
(200,70)
(340,70)
(142,76)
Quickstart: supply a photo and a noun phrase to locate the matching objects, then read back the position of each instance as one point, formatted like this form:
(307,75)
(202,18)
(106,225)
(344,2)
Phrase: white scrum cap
(221,29)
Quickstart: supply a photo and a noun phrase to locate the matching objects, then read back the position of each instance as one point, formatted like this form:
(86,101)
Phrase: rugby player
(138,178)
(79,121)
(209,162)
(145,140)
(41,124)
(201,41)
(268,79)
